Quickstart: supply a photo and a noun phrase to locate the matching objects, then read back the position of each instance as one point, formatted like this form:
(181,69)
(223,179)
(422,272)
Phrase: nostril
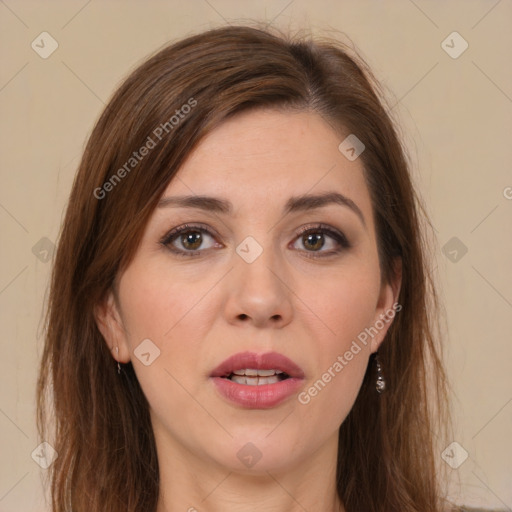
(243,316)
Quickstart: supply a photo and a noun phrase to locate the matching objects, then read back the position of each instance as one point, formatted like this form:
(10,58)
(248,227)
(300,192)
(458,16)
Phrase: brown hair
(386,457)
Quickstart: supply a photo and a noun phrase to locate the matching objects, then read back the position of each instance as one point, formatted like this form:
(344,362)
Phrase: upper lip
(252,360)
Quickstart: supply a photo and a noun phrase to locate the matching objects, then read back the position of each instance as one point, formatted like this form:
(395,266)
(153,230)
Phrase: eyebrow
(294,204)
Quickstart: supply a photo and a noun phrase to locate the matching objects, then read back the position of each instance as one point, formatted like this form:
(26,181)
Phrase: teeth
(255,381)
(257,373)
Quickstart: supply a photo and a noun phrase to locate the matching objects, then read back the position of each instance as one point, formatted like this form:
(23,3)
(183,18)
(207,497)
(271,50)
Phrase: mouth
(249,367)
(254,377)
(257,381)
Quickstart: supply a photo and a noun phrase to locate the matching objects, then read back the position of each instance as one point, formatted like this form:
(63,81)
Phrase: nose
(258,293)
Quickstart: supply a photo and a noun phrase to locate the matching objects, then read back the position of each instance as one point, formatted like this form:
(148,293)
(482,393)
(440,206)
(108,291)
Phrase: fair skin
(201,309)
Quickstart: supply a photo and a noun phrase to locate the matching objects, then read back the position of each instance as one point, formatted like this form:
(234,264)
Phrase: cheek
(328,399)
(158,303)
(342,360)
(346,307)
(344,304)
(170,309)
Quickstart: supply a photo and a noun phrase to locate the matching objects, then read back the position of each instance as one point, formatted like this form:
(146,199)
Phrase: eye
(321,239)
(189,240)
(192,240)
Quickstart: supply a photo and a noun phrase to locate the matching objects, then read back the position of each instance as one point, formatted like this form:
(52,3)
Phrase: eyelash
(339,237)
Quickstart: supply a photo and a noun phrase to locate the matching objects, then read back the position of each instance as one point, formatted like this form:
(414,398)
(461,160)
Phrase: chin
(255,451)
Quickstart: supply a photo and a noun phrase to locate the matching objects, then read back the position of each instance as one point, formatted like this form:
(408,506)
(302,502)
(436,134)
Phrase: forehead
(265,156)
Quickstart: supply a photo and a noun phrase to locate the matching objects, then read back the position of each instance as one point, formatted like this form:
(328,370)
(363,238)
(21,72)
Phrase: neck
(193,484)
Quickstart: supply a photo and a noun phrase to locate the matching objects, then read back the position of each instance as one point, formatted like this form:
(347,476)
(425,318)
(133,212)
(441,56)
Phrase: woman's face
(242,280)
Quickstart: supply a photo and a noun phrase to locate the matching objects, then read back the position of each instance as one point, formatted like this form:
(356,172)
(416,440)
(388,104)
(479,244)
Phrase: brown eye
(189,240)
(320,241)
(313,241)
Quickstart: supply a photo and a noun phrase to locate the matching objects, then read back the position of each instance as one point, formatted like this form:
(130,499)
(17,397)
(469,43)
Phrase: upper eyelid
(187,227)
(184,228)
(199,227)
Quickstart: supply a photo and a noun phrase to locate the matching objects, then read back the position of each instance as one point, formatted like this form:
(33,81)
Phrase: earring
(118,365)
(380,384)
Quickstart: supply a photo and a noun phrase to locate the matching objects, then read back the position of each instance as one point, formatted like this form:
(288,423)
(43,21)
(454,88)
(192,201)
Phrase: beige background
(456,114)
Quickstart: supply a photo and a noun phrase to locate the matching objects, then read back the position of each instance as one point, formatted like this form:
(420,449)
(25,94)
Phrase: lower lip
(257,397)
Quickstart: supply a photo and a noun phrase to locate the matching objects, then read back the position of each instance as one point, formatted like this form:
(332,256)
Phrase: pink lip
(258,397)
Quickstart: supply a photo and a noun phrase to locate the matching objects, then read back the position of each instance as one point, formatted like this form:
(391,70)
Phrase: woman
(241,241)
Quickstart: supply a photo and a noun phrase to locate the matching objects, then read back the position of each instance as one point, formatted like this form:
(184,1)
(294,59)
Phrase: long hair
(98,421)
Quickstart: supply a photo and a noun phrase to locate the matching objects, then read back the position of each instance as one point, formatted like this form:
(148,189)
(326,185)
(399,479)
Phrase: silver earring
(380,384)
(118,365)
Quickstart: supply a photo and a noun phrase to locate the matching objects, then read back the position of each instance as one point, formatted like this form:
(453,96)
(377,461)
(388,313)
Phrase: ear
(110,324)
(387,306)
